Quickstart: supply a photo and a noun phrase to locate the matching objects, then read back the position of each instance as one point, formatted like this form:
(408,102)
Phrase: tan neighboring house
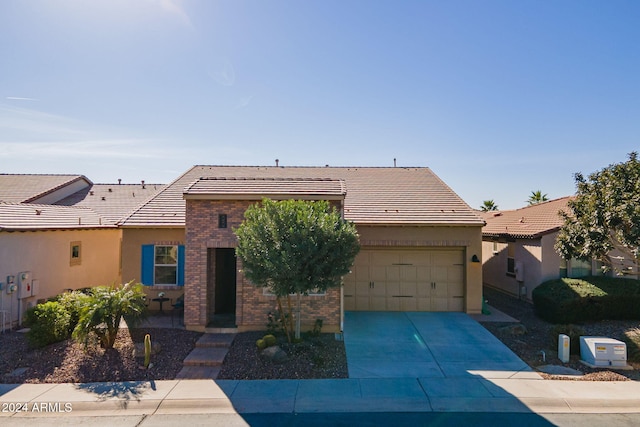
(59,232)
(518,252)
(421,243)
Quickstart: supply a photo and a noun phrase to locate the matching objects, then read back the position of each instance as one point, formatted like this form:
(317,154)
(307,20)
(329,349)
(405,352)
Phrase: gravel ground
(67,361)
(318,357)
(539,337)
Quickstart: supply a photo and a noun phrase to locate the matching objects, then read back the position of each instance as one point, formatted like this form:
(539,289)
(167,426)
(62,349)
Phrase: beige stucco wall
(468,238)
(132,241)
(538,258)
(46,254)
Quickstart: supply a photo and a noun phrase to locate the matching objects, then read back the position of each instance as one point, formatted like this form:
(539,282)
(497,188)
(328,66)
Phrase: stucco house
(421,243)
(59,232)
(518,249)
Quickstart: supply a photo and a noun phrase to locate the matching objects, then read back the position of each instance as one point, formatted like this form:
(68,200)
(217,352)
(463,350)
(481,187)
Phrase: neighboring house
(518,249)
(421,244)
(59,232)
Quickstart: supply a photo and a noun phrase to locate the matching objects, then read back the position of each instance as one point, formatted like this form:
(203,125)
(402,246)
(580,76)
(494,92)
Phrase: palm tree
(537,197)
(488,205)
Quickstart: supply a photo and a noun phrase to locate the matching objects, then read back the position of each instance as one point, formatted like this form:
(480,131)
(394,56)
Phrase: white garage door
(406,280)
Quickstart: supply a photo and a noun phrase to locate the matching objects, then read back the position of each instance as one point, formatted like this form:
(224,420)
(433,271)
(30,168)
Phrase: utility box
(564,348)
(24,285)
(603,352)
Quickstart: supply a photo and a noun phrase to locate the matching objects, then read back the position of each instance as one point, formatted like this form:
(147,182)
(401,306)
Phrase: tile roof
(256,188)
(529,222)
(400,196)
(30,187)
(24,217)
(112,201)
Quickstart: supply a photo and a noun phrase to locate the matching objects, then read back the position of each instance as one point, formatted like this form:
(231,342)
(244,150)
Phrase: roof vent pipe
(394,162)
(277,162)
(143,184)
(119,181)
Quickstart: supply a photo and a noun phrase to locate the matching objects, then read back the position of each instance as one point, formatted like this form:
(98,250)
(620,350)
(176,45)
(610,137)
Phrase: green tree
(488,205)
(104,308)
(295,247)
(537,197)
(603,216)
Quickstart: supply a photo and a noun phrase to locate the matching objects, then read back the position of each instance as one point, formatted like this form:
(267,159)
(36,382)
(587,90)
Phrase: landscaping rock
(517,329)
(274,354)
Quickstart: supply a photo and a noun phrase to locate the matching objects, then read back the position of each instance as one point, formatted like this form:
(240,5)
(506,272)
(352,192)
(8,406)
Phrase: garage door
(406,280)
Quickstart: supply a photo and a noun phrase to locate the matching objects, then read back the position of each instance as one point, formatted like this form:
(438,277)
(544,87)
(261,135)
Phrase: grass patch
(586,299)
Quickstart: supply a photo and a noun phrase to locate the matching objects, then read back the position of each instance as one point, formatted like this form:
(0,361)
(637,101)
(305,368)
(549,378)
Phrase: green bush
(586,299)
(73,303)
(269,340)
(48,323)
(261,344)
(572,331)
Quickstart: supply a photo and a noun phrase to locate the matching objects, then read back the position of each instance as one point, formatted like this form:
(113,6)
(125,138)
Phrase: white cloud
(19,98)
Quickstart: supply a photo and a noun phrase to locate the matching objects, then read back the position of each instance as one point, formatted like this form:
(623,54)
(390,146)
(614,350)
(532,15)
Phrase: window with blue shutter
(162,265)
(146,276)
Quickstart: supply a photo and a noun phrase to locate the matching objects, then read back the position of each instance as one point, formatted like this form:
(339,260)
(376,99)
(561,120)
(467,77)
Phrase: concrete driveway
(426,345)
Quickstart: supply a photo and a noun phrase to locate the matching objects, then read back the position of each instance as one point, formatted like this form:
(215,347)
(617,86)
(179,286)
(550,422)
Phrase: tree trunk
(297,335)
(283,319)
(290,313)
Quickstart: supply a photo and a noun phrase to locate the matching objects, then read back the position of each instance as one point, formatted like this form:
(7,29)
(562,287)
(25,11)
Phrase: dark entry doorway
(222,269)
(225,281)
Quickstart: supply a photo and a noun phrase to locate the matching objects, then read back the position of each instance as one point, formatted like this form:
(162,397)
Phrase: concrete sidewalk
(383,395)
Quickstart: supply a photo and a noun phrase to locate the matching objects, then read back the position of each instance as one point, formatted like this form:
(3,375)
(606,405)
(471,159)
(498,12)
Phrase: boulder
(274,354)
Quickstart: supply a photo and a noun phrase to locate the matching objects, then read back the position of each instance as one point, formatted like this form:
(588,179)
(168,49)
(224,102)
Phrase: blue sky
(499,98)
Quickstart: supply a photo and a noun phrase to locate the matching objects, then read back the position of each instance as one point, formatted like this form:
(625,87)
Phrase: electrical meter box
(603,352)
(24,284)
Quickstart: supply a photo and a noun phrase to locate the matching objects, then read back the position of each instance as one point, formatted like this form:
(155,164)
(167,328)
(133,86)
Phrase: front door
(225,286)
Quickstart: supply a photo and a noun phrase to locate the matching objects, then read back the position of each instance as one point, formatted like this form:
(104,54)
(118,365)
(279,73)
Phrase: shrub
(48,322)
(73,303)
(572,331)
(261,344)
(269,340)
(590,298)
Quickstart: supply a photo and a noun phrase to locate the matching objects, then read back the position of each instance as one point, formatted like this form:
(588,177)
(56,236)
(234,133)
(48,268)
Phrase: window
(511,262)
(163,265)
(222,221)
(75,256)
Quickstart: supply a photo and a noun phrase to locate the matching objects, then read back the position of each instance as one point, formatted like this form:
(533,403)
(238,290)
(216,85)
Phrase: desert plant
(104,308)
(147,350)
(269,340)
(48,322)
(572,331)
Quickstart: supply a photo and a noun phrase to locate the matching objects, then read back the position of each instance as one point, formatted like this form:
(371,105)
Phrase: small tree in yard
(104,308)
(605,215)
(295,247)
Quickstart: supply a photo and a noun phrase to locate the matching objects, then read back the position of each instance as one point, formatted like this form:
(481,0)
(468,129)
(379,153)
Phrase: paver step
(198,373)
(205,356)
(215,340)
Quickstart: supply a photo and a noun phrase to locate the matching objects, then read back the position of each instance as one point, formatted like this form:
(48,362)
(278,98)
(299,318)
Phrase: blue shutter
(180,265)
(148,255)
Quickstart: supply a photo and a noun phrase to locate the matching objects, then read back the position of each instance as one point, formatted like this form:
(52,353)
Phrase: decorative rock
(517,329)
(275,354)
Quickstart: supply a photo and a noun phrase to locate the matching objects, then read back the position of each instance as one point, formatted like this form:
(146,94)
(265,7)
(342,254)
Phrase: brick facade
(252,306)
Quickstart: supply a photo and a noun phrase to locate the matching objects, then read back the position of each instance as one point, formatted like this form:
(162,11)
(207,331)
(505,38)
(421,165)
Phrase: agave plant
(105,307)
